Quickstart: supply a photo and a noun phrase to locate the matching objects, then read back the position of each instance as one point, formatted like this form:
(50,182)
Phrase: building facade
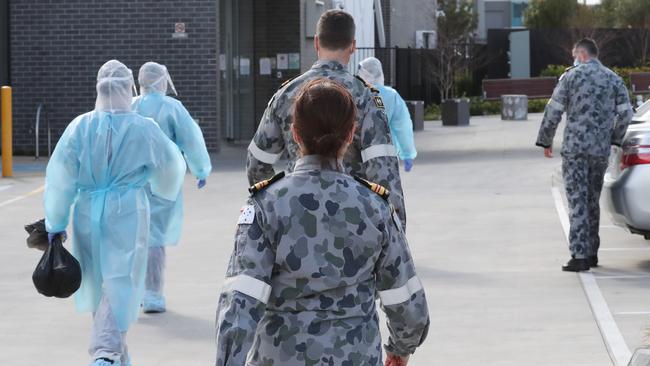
(226,57)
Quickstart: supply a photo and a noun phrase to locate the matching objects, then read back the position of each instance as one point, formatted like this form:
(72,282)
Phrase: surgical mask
(576,62)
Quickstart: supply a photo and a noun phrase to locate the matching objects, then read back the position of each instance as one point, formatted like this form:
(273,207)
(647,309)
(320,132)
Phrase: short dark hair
(335,29)
(589,45)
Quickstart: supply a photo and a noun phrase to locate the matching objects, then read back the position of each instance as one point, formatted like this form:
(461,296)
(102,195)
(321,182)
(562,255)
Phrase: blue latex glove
(51,236)
(201,183)
(408,165)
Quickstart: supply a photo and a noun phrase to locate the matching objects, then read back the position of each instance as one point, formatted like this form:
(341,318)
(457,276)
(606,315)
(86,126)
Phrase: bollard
(7,148)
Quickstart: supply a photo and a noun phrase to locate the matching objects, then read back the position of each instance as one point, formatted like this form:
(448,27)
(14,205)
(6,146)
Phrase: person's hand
(408,165)
(51,236)
(201,183)
(548,152)
(395,360)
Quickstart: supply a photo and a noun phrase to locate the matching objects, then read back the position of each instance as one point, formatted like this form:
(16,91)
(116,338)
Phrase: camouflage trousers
(583,181)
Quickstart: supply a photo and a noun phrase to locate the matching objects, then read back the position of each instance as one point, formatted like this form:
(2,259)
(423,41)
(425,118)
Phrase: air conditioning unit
(426,39)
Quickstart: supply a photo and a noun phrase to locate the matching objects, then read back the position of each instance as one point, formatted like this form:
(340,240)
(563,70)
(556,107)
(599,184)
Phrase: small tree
(452,57)
(550,13)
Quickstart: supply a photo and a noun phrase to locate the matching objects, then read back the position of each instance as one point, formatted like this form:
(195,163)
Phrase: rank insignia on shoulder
(265,183)
(378,102)
(284,83)
(379,189)
(365,83)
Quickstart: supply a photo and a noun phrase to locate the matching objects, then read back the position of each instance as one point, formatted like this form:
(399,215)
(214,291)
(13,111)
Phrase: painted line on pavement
(5,187)
(617,349)
(614,277)
(622,249)
(633,313)
(16,199)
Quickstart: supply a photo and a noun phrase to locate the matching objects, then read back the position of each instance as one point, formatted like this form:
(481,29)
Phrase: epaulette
(380,190)
(367,84)
(265,183)
(379,103)
(566,71)
(287,82)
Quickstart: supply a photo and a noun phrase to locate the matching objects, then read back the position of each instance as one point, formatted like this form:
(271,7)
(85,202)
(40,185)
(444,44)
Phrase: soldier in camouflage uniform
(598,113)
(312,251)
(372,154)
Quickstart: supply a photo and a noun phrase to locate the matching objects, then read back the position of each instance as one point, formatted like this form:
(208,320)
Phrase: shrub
(554,70)
(623,72)
(432,112)
(480,107)
(537,105)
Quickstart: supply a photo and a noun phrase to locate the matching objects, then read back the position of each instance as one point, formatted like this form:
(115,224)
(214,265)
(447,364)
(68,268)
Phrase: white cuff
(262,155)
(248,285)
(377,151)
(401,294)
(555,105)
(622,107)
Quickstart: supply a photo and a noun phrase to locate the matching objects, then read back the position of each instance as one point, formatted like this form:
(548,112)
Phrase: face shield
(114,88)
(370,70)
(154,78)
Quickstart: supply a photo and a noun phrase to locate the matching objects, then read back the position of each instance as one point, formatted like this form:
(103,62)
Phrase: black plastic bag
(37,235)
(58,273)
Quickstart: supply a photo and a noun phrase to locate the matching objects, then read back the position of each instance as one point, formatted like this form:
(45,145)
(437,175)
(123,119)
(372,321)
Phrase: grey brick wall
(58,46)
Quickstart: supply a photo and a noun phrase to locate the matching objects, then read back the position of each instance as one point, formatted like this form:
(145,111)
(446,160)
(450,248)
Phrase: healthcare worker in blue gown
(101,166)
(399,118)
(166,216)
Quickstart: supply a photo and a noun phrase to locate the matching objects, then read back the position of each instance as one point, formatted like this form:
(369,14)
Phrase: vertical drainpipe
(4,43)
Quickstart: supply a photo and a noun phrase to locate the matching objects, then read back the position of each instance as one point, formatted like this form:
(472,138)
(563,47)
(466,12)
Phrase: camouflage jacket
(598,111)
(312,251)
(371,156)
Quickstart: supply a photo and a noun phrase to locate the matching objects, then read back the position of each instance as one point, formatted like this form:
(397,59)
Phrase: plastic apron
(178,125)
(399,121)
(115,156)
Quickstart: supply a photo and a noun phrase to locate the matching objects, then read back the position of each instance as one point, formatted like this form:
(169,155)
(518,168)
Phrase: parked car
(626,191)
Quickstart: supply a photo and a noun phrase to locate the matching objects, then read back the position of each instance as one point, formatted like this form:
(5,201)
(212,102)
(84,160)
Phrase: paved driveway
(484,229)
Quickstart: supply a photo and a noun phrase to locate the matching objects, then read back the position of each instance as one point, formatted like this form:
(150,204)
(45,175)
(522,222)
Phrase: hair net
(154,77)
(370,70)
(114,87)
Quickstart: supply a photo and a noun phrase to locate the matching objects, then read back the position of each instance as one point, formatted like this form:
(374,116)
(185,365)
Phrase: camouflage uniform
(371,156)
(598,113)
(312,251)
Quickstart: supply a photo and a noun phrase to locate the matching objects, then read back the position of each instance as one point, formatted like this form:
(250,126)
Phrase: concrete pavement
(483,228)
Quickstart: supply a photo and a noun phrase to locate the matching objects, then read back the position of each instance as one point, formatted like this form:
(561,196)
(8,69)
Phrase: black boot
(592,260)
(576,265)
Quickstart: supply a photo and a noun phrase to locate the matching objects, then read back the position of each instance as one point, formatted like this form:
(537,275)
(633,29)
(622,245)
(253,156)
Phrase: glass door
(236,68)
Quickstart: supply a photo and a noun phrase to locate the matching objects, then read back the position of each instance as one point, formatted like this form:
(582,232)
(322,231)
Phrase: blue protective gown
(101,165)
(399,121)
(180,127)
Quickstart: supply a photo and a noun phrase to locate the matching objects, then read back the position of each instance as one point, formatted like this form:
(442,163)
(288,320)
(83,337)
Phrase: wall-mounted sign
(294,61)
(283,61)
(244,66)
(179,31)
(265,66)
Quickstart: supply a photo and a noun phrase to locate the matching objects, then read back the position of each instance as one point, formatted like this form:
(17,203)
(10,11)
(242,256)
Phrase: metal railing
(42,111)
